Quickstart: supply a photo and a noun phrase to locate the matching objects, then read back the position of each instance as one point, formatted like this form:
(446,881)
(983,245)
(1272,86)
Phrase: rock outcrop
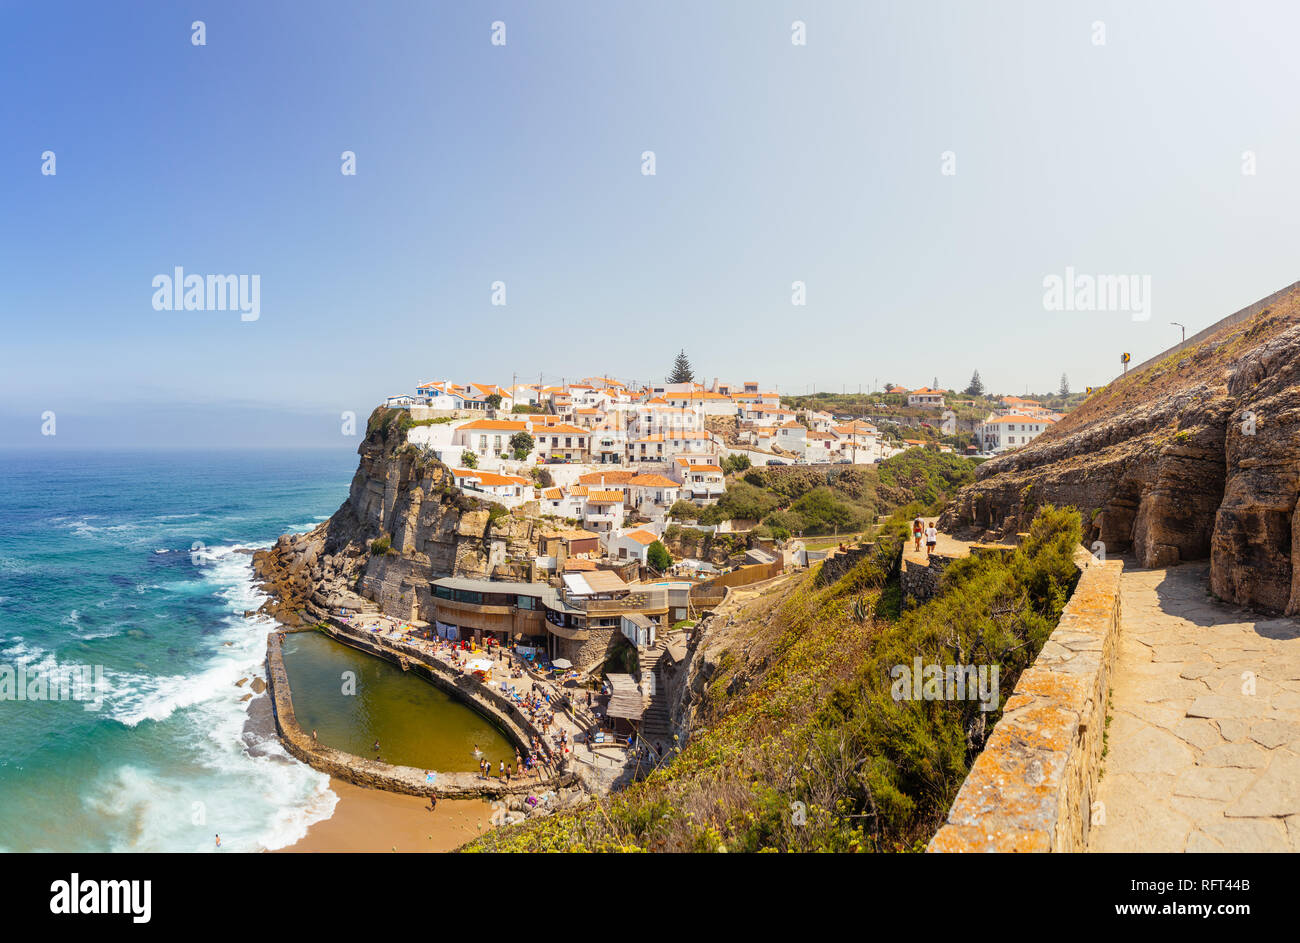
(403,524)
(1195,455)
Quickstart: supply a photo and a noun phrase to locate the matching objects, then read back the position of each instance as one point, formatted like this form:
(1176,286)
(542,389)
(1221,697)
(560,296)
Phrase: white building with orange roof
(651,417)
(761,414)
(926,398)
(511,490)
(631,545)
(701,483)
(652,495)
(818,421)
(602,509)
(706,401)
(608,480)
(488,438)
(563,442)
(609,444)
(647,448)
(439,394)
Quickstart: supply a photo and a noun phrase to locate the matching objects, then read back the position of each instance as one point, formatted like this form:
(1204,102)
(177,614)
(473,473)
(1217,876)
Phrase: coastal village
(586,485)
(548,555)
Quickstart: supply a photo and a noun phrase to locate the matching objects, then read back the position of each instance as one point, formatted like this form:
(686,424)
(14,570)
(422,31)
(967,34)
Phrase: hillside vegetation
(798,744)
(798,499)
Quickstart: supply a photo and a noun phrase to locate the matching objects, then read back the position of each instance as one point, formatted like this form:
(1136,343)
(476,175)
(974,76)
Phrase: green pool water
(416,723)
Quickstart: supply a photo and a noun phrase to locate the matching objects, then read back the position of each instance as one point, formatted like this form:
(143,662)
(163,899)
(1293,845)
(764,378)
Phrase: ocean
(97,572)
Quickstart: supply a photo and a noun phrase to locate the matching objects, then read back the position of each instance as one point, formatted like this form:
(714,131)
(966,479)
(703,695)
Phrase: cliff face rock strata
(1195,456)
(433,530)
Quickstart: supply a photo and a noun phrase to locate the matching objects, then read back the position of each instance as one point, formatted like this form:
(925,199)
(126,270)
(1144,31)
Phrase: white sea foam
(257,802)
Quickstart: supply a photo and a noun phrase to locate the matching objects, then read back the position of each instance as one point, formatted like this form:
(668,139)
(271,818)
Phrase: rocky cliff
(403,524)
(1195,455)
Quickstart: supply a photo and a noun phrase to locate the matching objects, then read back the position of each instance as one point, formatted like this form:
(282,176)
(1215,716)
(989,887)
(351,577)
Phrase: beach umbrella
(561,663)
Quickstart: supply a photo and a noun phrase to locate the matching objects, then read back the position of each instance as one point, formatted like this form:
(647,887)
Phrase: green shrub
(381,546)
(657,556)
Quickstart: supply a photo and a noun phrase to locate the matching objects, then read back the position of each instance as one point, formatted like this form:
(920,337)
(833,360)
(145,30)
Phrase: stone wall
(920,581)
(403,779)
(1031,787)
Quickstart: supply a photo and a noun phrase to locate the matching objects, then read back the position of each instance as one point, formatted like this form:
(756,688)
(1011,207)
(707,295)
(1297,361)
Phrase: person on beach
(931,538)
(918,526)
(218,840)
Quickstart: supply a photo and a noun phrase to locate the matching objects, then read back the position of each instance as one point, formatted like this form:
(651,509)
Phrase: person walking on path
(931,538)
(917,527)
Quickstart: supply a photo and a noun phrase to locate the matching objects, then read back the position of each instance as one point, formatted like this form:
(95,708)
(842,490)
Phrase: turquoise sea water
(97,571)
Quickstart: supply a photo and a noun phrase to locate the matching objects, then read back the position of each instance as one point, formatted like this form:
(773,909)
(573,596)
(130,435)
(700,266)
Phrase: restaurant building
(581,621)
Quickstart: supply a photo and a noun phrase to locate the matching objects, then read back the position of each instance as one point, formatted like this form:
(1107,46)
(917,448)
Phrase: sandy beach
(370,820)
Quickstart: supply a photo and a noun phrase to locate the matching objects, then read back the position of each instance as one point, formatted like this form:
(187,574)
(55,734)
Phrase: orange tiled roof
(605,497)
(643,537)
(496,425)
(653,481)
(606,478)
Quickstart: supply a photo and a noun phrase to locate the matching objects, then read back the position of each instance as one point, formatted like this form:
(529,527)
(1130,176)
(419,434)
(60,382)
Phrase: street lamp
(1183,326)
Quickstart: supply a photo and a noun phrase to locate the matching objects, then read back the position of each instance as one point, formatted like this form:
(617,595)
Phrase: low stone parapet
(1031,787)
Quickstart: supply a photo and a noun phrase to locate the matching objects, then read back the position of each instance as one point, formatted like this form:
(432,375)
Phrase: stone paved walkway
(1203,742)
(945,545)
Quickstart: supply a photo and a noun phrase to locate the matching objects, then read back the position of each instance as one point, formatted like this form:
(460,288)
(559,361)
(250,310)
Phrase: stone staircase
(655,726)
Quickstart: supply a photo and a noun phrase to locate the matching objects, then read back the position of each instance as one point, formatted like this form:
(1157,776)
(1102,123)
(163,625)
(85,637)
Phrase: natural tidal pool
(415,723)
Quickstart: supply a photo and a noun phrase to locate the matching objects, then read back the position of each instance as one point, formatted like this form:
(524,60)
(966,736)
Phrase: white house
(563,441)
(792,437)
(653,494)
(999,433)
(602,510)
(701,483)
(488,438)
(492,485)
(437,394)
(926,398)
(633,545)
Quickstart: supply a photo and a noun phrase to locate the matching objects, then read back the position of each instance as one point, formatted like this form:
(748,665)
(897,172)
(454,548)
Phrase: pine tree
(682,372)
(1065,385)
(976,387)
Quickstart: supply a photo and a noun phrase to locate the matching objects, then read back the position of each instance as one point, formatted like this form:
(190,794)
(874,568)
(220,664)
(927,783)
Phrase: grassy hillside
(795,499)
(798,744)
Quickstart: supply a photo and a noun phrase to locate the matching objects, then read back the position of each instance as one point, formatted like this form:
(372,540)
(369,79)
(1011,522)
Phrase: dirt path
(1203,740)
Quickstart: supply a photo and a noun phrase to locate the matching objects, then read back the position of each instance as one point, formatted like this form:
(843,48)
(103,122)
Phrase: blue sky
(522,163)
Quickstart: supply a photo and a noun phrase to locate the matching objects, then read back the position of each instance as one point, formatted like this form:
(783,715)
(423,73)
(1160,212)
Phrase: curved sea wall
(1031,787)
(404,779)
